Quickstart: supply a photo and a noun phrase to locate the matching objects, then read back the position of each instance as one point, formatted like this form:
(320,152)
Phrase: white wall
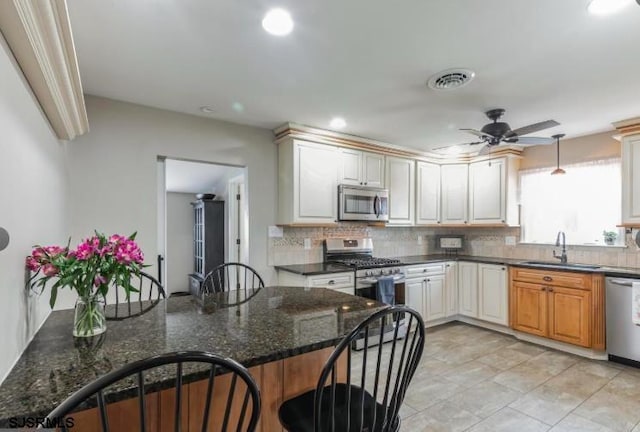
(179,255)
(113,171)
(33,203)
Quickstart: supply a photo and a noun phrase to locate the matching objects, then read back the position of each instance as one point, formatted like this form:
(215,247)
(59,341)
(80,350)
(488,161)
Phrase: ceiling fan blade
(534,141)
(478,133)
(485,150)
(526,130)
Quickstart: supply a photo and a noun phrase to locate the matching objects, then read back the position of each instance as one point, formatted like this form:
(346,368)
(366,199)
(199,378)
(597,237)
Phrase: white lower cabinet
(435,298)
(493,293)
(468,289)
(427,290)
(451,287)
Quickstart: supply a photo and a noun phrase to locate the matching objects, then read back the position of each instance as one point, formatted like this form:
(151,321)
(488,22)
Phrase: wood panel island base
(284,335)
(563,306)
(278,381)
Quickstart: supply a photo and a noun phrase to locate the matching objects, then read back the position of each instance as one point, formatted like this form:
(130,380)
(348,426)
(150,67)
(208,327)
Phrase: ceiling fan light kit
(558,170)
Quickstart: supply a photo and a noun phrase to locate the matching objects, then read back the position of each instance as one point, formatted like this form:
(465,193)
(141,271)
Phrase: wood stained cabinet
(563,306)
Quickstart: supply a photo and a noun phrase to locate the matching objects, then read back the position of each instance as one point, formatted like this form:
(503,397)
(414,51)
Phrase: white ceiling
(368,61)
(198,177)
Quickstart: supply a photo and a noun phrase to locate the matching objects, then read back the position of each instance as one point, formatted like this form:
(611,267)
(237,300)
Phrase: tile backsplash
(405,241)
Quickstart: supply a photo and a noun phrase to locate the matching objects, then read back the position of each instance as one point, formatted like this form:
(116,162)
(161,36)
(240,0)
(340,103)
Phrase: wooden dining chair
(231,276)
(148,295)
(230,402)
(364,391)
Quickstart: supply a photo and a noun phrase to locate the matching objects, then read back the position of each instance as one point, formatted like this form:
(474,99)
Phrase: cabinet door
(451,287)
(487,191)
(570,315)
(492,294)
(427,193)
(468,288)
(414,295)
(316,196)
(400,178)
(530,302)
(373,169)
(454,181)
(631,179)
(436,299)
(350,167)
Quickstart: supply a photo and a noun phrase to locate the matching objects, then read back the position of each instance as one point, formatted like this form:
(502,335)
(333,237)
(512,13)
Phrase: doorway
(181,250)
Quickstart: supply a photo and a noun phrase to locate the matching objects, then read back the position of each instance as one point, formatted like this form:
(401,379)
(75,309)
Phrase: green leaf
(54,295)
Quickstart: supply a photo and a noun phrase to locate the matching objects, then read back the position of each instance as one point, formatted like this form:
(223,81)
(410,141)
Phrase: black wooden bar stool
(230,397)
(363,392)
(148,294)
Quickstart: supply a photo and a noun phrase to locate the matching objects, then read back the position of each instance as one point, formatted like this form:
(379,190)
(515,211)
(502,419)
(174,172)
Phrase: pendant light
(558,170)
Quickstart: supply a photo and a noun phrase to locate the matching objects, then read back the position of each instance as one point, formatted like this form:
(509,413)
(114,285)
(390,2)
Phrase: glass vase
(89,319)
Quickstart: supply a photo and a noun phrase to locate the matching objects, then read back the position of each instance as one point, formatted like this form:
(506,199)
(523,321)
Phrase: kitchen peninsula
(277,333)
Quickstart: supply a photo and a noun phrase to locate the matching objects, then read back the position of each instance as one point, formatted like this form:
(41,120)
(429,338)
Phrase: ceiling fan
(496,133)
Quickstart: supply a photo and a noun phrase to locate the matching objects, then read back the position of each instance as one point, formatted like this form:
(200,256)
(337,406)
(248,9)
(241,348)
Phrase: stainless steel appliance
(362,204)
(358,254)
(623,336)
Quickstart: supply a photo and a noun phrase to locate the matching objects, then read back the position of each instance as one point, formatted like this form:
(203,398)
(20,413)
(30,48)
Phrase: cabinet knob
(550,289)
(438,221)
(543,289)
(503,221)
(332,282)
(504,268)
(465,221)
(365,183)
(424,280)
(360,183)
(547,278)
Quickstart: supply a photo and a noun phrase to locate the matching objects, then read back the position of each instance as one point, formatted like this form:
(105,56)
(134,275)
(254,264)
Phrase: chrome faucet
(563,256)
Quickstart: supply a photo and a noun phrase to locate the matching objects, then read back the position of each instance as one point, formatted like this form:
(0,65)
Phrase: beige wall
(33,205)
(581,149)
(113,171)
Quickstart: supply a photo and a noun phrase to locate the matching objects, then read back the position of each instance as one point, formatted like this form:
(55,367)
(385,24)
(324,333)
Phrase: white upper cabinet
(493,293)
(427,193)
(493,188)
(487,192)
(400,177)
(360,168)
(631,179)
(307,182)
(454,189)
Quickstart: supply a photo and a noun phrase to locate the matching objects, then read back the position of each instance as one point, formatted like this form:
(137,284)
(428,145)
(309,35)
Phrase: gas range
(358,254)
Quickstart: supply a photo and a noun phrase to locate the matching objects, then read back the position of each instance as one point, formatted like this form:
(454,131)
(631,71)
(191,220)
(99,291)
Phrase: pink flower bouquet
(95,264)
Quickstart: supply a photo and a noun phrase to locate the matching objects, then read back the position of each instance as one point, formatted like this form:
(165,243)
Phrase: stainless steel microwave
(362,204)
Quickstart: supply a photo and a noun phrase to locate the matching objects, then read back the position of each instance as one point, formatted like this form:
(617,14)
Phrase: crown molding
(307,133)
(39,36)
(628,127)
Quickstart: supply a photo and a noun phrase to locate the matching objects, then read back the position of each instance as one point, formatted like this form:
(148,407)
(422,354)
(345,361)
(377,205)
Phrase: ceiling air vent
(451,79)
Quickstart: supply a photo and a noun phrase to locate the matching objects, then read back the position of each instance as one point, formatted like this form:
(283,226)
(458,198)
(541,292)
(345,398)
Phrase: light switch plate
(307,243)
(275,231)
(510,240)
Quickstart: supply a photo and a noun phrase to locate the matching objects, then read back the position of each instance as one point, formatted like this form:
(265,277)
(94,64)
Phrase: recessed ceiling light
(278,22)
(607,7)
(207,109)
(237,107)
(337,123)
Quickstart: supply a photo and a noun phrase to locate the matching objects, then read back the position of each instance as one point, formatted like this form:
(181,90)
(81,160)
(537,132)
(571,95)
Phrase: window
(583,203)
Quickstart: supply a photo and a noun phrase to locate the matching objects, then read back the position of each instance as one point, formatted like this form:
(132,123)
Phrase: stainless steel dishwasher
(623,336)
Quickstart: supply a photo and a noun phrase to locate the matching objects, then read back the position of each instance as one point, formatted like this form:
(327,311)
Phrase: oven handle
(371,281)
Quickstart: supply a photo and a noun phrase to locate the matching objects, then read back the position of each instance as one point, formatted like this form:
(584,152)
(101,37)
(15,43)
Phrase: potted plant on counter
(609,237)
(90,269)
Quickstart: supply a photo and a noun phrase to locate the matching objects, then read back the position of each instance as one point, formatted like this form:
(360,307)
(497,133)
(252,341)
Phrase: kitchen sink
(561,265)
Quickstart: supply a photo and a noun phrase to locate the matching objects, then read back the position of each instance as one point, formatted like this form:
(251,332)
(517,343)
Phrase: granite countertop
(273,324)
(319,268)
(314,268)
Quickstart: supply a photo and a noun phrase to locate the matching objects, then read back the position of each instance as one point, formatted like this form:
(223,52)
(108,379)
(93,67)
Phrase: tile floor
(471,379)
